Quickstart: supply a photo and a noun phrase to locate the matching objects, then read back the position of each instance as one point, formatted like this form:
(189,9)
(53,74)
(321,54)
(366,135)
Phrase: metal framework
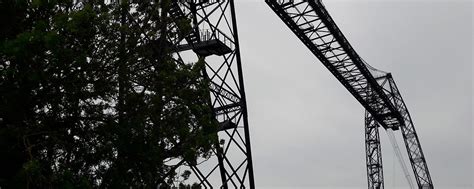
(312,24)
(410,137)
(213,37)
(373,153)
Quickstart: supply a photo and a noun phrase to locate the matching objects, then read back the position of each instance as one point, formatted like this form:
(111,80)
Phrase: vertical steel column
(242,92)
(214,39)
(373,153)
(412,143)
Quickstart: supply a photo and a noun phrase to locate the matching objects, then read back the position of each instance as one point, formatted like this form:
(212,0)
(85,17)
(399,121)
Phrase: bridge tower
(213,37)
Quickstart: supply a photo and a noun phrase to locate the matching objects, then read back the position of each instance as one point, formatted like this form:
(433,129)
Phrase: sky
(307,130)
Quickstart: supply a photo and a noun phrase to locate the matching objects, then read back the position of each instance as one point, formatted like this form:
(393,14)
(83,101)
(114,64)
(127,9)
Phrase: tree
(91,95)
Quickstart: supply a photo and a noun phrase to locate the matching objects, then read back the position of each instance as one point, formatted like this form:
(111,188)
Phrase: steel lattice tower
(213,37)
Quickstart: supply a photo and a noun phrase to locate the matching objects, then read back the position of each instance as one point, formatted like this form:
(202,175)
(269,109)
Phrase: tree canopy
(92,96)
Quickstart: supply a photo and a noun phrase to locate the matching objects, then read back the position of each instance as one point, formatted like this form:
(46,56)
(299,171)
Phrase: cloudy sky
(308,131)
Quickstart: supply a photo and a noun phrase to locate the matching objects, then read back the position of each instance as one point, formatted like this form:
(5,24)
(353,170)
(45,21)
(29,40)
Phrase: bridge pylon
(213,37)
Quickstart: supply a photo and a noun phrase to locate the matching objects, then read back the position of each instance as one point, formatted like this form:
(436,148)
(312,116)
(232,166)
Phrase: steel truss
(410,137)
(313,25)
(213,37)
(373,153)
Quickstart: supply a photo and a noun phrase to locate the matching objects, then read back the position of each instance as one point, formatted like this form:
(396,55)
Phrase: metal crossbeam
(310,21)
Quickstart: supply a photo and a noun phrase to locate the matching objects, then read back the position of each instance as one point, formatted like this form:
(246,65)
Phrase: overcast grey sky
(308,131)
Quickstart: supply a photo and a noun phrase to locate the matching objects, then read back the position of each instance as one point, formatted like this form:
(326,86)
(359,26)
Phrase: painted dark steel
(214,38)
(410,137)
(373,153)
(312,24)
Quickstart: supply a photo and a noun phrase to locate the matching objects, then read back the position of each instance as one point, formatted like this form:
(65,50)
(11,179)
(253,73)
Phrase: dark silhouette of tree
(91,96)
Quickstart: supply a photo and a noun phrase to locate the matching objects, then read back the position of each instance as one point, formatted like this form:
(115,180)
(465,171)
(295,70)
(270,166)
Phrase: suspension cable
(396,149)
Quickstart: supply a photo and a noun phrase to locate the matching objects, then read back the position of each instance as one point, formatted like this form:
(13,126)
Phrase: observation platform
(207,48)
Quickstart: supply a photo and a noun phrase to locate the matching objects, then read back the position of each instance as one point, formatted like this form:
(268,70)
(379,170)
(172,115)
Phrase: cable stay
(398,153)
(374,71)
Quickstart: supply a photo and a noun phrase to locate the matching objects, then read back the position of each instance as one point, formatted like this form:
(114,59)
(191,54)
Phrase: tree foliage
(91,95)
